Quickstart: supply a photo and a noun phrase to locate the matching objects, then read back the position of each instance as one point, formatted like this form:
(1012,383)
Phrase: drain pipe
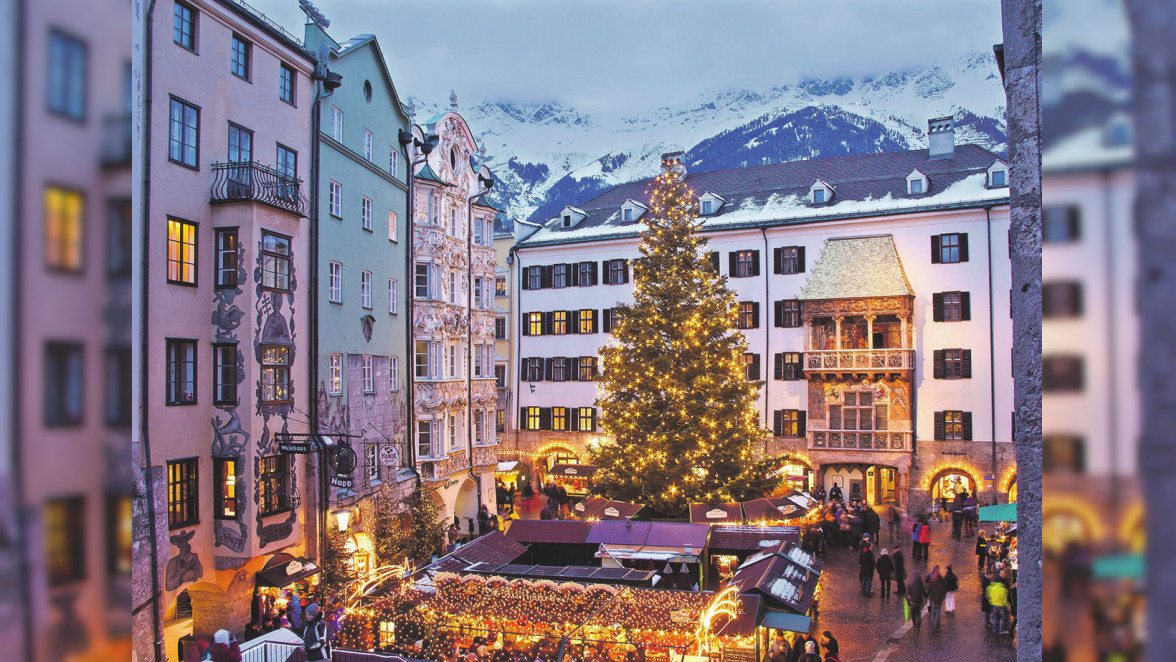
(768,359)
(991,350)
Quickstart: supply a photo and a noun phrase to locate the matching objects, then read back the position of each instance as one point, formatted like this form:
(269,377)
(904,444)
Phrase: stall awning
(751,538)
(648,552)
(1119,566)
(573,470)
(783,620)
(548,531)
(283,570)
(1005,512)
(508,467)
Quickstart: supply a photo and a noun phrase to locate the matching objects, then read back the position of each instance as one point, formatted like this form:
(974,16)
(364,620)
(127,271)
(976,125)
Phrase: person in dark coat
(835,492)
(952,583)
(981,550)
(810,652)
(936,592)
(871,523)
(545,513)
(916,596)
(900,574)
(831,646)
(885,568)
(866,569)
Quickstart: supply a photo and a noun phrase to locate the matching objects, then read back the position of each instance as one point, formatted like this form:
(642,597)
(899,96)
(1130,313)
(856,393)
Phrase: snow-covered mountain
(547,156)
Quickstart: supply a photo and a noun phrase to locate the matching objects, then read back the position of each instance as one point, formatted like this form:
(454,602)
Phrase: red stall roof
(548,531)
(723,512)
(619,533)
(672,534)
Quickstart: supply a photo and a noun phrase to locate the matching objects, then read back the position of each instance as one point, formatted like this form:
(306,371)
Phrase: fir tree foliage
(675,396)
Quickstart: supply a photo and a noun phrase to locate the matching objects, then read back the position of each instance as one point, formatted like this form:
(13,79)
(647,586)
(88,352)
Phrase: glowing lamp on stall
(342,518)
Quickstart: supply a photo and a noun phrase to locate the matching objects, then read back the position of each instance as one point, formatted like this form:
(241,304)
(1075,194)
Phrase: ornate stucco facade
(453,322)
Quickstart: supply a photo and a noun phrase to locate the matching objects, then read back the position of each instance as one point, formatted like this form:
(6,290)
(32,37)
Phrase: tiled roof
(724,512)
(752,538)
(857,267)
(548,531)
(426,173)
(865,184)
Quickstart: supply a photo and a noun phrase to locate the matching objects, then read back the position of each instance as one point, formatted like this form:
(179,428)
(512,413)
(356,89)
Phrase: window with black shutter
(751,366)
(953,425)
(788,423)
(604,272)
(744,264)
(748,316)
(534,279)
(560,275)
(547,370)
(585,274)
(526,278)
(608,319)
(790,366)
(1059,224)
(574,414)
(1061,299)
(951,307)
(952,364)
(547,276)
(545,418)
(788,313)
(949,248)
(559,322)
(548,323)
(1062,374)
(788,260)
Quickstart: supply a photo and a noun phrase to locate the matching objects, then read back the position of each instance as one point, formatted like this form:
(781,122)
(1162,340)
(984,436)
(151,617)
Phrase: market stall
(280,573)
(575,478)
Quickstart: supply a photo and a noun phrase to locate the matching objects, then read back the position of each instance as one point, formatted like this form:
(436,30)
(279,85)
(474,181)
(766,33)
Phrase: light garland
(930,476)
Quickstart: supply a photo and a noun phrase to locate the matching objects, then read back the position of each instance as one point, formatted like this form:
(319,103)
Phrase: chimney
(452,100)
(941,138)
(673,161)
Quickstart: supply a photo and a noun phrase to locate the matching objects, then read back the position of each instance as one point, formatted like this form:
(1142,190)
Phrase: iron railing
(254,182)
(272,651)
(859,359)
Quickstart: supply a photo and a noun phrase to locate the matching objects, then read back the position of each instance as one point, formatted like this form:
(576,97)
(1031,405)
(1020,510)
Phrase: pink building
(225,316)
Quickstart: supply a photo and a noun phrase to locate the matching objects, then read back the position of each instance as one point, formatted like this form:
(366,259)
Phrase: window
(500,376)
(287,163)
(431,216)
(286,83)
(335,282)
(63,229)
(789,260)
(182,493)
(421,358)
(336,124)
(453,433)
(916,186)
(224,488)
(477,287)
(789,366)
(63,384)
(392,226)
(392,296)
(1061,299)
(479,357)
(335,199)
(184,26)
(183,141)
(393,161)
(949,248)
(393,373)
(951,306)
(534,278)
(500,286)
(626,214)
(584,419)
(1061,374)
(532,418)
(751,366)
(181,372)
(587,369)
(118,387)
(818,195)
(744,264)
(225,245)
(275,374)
(335,374)
(224,374)
(453,221)
(706,207)
(567,220)
(952,364)
(559,419)
(611,317)
(500,420)
(587,274)
(479,427)
(181,252)
(559,322)
(365,289)
(65,535)
(118,534)
(533,369)
(857,412)
(560,275)
(953,426)
(788,423)
(118,250)
(424,438)
(275,262)
(371,460)
(748,317)
(559,369)
(452,287)
(1059,225)
(451,359)
(1063,453)
(421,288)
(618,272)
(369,377)
(500,328)
(367,145)
(533,324)
(999,178)
(478,232)
(586,321)
(274,484)
(239,57)
(788,313)
(67,76)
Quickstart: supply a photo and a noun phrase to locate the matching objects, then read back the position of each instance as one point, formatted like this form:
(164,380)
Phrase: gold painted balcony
(859,360)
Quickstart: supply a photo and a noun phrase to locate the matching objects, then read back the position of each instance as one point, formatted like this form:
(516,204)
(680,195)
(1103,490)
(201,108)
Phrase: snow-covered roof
(857,267)
(1086,150)
(866,185)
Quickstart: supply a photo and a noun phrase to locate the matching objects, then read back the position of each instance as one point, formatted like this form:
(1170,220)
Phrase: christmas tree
(676,398)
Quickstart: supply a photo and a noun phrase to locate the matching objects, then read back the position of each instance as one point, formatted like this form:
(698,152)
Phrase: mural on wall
(900,400)
(229,437)
(274,323)
(333,415)
(185,566)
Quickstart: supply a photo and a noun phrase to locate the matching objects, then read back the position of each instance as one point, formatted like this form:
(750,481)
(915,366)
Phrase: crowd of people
(803,648)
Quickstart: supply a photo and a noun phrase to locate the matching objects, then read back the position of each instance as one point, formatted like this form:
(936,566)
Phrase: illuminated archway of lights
(1009,478)
(375,579)
(726,603)
(951,466)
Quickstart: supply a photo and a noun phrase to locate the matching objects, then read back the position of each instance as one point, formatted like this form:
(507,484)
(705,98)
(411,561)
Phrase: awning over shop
(733,538)
(1004,512)
(605,509)
(785,577)
(580,471)
(619,533)
(724,512)
(1120,566)
(674,534)
(509,467)
(783,620)
(647,552)
(494,547)
(284,569)
(548,531)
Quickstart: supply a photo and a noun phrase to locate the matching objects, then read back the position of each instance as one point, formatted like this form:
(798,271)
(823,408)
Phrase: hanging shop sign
(389,456)
(341,481)
(299,447)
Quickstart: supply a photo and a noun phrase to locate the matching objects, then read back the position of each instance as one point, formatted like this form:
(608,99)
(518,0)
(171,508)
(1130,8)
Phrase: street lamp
(342,518)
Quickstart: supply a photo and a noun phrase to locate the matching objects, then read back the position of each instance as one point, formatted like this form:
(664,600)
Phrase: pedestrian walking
(936,593)
(315,640)
(866,569)
(894,517)
(985,606)
(957,521)
(916,597)
(900,574)
(885,569)
(998,596)
(835,492)
(952,584)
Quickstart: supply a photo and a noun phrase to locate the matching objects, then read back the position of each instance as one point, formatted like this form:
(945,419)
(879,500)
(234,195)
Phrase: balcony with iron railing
(866,440)
(254,182)
(859,360)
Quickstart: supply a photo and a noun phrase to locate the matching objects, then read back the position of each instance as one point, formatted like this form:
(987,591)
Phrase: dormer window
(820,193)
(998,175)
(567,220)
(569,217)
(706,207)
(632,210)
(916,183)
(627,215)
(709,203)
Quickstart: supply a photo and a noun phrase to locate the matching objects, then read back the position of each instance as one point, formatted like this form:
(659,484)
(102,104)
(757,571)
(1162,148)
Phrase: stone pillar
(870,331)
(808,335)
(905,343)
(837,331)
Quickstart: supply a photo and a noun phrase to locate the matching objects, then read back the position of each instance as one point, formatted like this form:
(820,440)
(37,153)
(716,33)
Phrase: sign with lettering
(612,512)
(580,506)
(738,654)
(716,513)
(294,446)
(389,456)
(342,481)
(293,567)
(682,616)
(570,471)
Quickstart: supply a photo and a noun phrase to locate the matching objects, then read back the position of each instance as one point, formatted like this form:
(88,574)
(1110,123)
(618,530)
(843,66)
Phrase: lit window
(63,229)
(335,374)
(275,374)
(535,324)
(226,258)
(748,317)
(182,493)
(500,286)
(274,485)
(224,498)
(275,262)
(65,535)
